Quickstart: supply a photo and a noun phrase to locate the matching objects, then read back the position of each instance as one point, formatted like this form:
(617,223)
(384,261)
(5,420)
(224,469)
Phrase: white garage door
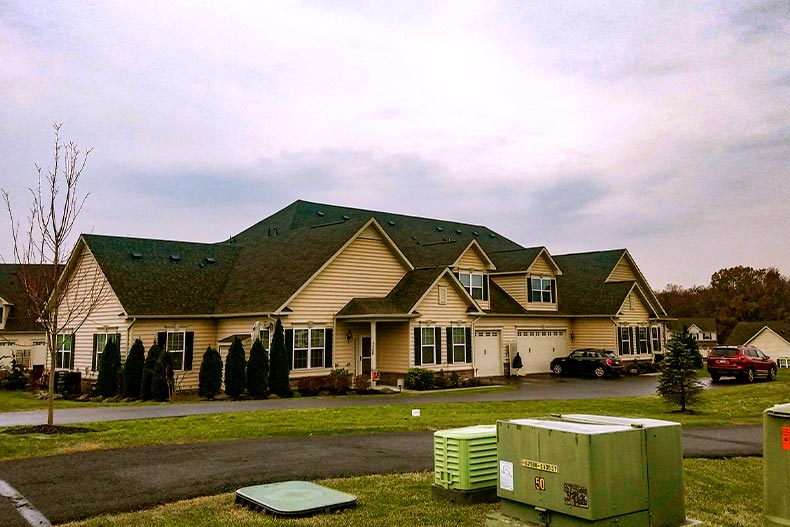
(487,353)
(538,347)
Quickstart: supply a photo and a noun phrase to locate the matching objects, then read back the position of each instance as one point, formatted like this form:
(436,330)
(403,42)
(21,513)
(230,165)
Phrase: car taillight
(608,362)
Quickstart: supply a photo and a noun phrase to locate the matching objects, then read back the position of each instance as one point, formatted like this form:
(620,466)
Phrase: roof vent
(476,233)
(136,255)
(175,257)
(210,259)
(320,213)
(492,234)
(439,229)
(459,231)
(391,222)
(346,217)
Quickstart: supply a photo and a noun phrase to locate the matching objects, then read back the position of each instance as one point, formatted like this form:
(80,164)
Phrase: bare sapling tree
(60,300)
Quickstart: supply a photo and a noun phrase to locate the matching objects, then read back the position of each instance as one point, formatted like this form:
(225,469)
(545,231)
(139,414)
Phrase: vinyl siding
(593,333)
(541,267)
(472,261)
(366,268)
(636,316)
(771,344)
(622,272)
(392,347)
(436,315)
(515,285)
(205,335)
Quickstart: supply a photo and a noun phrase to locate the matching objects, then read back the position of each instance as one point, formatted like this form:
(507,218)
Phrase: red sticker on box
(786,437)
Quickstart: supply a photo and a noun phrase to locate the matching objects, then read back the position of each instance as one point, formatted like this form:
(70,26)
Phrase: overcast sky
(661,127)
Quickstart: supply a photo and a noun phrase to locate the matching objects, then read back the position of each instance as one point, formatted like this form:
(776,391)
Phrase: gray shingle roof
(515,260)
(743,331)
(12,290)
(401,300)
(582,288)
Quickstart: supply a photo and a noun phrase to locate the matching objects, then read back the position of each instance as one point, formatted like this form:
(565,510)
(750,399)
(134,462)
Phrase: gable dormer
(472,269)
(5,309)
(542,283)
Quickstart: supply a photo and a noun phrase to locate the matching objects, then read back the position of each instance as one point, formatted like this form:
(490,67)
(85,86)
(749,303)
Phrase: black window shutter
(118,340)
(554,291)
(289,347)
(631,338)
(620,340)
(93,359)
(73,352)
(189,343)
(417,346)
(161,339)
(529,289)
(438,332)
(450,345)
(469,345)
(485,287)
(328,348)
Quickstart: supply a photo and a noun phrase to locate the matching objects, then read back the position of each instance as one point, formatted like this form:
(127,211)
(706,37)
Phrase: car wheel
(750,376)
(599,372)
(557,369)
(715,377)
(772,374)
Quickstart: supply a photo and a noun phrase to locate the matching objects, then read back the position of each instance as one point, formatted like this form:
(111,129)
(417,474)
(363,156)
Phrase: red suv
(745,362)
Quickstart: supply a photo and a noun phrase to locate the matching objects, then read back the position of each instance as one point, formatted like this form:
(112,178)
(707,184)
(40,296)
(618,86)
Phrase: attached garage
(537,348)
(487,353)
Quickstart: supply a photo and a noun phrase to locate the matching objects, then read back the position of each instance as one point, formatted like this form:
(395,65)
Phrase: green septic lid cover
(294,498)
(781,410)
(468,432)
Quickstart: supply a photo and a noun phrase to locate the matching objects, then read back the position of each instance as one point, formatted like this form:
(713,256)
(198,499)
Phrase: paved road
(74,486)
(531,388)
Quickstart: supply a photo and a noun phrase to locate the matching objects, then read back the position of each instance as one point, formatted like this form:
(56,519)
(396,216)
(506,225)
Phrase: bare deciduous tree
(41,252)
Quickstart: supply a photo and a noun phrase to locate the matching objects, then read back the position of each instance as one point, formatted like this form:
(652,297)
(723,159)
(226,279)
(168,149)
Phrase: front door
(364,356)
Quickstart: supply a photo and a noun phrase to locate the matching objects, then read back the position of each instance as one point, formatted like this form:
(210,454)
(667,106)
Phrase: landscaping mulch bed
(46,429)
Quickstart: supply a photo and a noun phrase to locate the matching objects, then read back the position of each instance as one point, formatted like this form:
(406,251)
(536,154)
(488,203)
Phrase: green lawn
(721,493)
(737,404)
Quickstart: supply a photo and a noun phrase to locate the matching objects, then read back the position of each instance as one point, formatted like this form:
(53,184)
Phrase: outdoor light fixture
(348,336)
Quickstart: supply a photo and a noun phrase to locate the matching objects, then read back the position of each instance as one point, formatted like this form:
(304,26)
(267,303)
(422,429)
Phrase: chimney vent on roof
(175,257)
(273,231)
(136,255)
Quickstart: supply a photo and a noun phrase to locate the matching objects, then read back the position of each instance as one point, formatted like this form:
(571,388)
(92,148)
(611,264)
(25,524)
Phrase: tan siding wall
(593,333)
(205,335)
(367,268)
(542,267)
(636,316)
(770,344)
(443,316)
(622,272)
(471,261)
(392,347)
(515,286)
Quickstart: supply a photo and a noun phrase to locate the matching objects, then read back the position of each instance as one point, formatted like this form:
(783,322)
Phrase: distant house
(703,330)
(368,292)
(772,338)
(21,336)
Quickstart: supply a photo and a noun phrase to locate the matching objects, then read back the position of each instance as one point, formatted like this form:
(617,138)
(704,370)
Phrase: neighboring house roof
(12,290)
(743,332)
(707,325)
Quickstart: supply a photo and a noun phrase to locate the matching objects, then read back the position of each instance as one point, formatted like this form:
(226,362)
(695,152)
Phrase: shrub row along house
(371,292)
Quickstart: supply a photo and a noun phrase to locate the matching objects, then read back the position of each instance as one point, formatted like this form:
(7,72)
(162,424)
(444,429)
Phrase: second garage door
(538,347)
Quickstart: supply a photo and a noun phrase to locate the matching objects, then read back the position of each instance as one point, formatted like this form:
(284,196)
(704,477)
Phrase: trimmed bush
(308,386)
(149,367)
(362,383)
(235,369)
(109,364)
(258,371)
(419,379)
(162,381)
(280,365)
(210,377)
(133,370)
(339,381)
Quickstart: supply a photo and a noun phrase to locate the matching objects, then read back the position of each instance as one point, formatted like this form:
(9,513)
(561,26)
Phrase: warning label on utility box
(786,437)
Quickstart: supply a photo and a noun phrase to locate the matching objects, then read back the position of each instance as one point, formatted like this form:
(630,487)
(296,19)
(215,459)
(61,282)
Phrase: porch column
(373,349)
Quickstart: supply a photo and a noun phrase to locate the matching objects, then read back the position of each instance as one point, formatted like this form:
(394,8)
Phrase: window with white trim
(642,343)
(459,344)
(64,347)
(624,339)
(475,283)
(542,290)
(655,338)
(176,345)
(265,336)
(100,341)
(308,349)
(428,345)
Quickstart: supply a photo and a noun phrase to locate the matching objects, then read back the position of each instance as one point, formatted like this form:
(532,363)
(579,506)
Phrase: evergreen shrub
(235,369)
(419,379)
(133,370)
(149,367)
(280,366)
(258,371)
(162,382)
(210,377)
(109,364)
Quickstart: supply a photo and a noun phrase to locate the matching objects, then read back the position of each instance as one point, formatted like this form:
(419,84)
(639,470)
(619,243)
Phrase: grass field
(721,493)
(737,404)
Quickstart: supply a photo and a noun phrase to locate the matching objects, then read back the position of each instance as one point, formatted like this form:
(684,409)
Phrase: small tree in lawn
(279,365)
(235,369)
(149,368)
(109,364)
(162,381)
(678,382)
(210,374)
(133,370)
(258,371)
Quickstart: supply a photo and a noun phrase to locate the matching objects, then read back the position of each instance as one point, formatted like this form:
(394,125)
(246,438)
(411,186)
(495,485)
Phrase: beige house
(365,291)
(772,338)
(21,337)
(703,330)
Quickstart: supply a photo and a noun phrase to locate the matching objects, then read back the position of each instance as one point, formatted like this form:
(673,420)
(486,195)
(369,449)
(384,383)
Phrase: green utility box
(465,463)
(590,470)
(776,465)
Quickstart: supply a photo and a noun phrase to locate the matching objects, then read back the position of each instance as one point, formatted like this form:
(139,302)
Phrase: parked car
(744,362)
(598,362)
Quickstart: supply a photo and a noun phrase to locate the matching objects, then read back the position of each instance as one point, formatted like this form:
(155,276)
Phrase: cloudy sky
(662,127)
